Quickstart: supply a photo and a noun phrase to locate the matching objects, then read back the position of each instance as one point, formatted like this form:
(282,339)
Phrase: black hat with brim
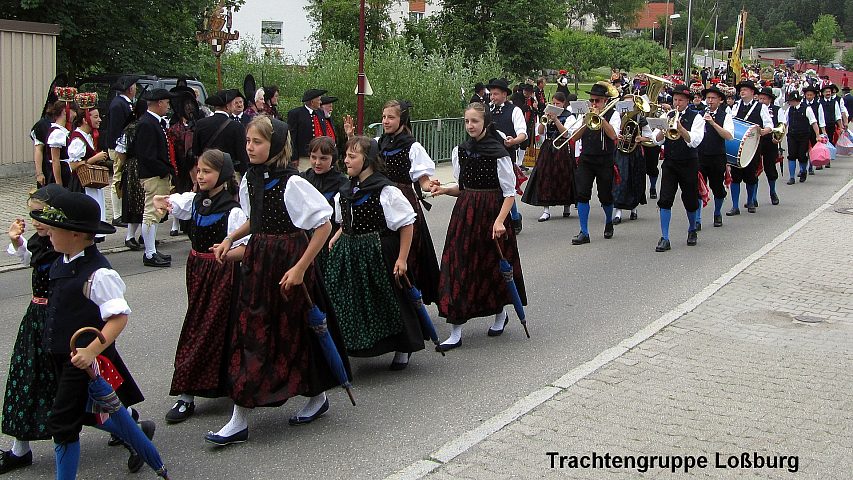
(181,90)
(747,84)
(325,100)
(527,87)
(157,94)
(793,95)
(811,88)
(833,87)
(682,90)
(217,99)
(124,82)
(73,211)
(845,89)
(500,84)
(312,93)
(713,89)
(233,93)
(599,90)
(767,91)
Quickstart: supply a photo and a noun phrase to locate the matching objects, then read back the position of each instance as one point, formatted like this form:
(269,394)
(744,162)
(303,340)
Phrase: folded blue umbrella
(423,315)
(317,320)
(506,271)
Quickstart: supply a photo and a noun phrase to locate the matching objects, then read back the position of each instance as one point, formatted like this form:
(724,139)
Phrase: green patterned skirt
(373,314)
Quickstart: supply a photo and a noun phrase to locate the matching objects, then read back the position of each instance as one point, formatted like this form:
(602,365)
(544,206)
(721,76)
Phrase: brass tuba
(630,127)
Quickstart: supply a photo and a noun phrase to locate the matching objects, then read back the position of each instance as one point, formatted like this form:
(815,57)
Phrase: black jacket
(301,125)
(232,140)
(151,148)
(120,113)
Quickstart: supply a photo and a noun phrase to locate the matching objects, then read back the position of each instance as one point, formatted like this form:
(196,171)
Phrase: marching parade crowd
(290,274)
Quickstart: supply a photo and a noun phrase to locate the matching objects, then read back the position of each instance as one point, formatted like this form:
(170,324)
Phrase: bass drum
(741,149)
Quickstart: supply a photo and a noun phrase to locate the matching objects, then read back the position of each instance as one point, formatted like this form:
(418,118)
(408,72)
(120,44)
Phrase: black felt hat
(599,90)
(325,100)
(811,88)
(682,90)
(747,84)
(182,89)
(233,93)
(767,91)
(845,89)
(217,99)
(73,211)
(831,86)
(124,82)
(527,87)
(312,93)
(713,89)
(501,84)
(479,86)
(157,94)
(793,95)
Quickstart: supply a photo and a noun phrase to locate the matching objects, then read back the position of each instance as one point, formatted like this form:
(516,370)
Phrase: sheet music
(580,106)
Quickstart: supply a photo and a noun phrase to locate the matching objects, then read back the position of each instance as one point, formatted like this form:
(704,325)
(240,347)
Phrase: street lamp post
(669,23)
(653,30)
(688,60)
(723,48)
(359,125)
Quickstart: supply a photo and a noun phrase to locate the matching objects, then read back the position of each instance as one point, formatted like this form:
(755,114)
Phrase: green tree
(783,34)
(578,52)
(621,12)
(337,20)
(425,32)
(847,59)
(811,49)
(825,29)
(631,54)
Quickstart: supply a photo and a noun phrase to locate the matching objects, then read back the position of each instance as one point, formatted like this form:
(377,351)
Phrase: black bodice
(364,214)
(397,165)
(477,172)
(275,220)
(208,230)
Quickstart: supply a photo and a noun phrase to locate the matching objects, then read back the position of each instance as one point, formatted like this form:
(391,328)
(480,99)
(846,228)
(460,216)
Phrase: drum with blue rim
(741,149)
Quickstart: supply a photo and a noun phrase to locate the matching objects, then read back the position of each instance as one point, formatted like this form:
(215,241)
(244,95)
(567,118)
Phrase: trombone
(559,138)
(594,121)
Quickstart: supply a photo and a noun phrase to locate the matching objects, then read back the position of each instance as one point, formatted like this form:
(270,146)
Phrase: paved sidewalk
(742,372)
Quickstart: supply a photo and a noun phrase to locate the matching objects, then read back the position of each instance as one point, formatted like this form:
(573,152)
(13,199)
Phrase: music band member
(680,168)
(596,160)
(802,123)
(719,127)
(510,123)
(768,147)
(753,111)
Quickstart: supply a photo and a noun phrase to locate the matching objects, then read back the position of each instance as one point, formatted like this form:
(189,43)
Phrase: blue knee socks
(583,215)
(718,206)
(751,193)
(513,213)
(653,181)
(692,217)
(608,213)
(804,166)
(735,195)
(67,457)
(699,212)
(792,168)
(665,217)
(772,184)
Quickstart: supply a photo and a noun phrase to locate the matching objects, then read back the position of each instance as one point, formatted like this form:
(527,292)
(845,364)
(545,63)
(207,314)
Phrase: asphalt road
(583,299)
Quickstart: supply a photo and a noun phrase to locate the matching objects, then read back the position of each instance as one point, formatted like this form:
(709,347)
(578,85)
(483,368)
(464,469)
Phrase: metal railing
(437,135)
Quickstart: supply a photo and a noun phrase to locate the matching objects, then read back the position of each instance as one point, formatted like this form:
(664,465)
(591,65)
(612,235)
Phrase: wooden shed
(27,66)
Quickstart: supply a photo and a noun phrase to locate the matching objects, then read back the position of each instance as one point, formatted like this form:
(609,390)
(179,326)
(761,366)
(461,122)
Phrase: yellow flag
(737,50)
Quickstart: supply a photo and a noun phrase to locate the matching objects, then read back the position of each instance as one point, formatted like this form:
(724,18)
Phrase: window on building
(416,16)
(582,22)
(271,33)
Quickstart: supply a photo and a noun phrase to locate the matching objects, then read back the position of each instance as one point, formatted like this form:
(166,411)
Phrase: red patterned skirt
(422,262)
(552,180)
(275,353)
(201,358)
(471,283)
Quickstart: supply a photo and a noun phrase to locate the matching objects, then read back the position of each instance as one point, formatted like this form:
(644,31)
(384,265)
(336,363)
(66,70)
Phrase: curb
(469,439)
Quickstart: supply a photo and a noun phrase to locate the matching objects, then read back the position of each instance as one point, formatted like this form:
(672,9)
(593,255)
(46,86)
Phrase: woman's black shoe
(663,245)
(444,347)
(9,462)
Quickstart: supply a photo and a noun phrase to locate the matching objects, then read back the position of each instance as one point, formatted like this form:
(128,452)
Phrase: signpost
(213,33)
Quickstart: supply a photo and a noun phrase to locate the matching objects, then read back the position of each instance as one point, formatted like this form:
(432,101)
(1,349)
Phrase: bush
(847,59)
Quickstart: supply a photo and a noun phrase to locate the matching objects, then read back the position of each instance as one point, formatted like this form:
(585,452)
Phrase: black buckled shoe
(117,222)
(297,420)
(791,181)
(774,199)
(135,462)
(718,220)
(663,245)
(633,215)
(133,245)
(692,238)
(653,193)
(751,208)
(164,256)
(9,461)
(608,230)
(155,261)
(180,411)
(567,210)
(733,212)
(803,176)
(580,239)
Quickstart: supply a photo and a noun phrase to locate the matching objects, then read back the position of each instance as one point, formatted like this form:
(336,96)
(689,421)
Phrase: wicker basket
(93,176)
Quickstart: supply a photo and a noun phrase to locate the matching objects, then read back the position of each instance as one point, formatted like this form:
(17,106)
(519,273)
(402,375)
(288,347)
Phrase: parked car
(836,66)
(791,62)
(101,84)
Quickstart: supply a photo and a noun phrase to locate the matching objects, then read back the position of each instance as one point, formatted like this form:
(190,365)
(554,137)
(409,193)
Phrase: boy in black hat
(479,93)
(509,122)
(84,291)
(120,114)
(596,161)
(755,112)
(719,127)
(680,168)
(768,148)
(305,123)
(802,123)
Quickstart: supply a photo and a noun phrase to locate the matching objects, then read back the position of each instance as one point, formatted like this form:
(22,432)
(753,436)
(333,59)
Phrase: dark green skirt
(373,314)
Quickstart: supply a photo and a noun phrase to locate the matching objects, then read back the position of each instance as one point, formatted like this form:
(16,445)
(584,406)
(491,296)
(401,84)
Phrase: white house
(284,25)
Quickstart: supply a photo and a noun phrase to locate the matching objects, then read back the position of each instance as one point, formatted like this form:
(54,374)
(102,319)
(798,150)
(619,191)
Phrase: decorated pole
(359,124)
(213,33)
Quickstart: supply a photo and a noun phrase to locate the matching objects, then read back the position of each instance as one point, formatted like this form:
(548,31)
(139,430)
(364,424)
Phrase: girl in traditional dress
(631,190)
(552,180)
(275,353)
(471,282)
(57,141)
(327,179)
(83,149)
(133,197)
(31,383)
(201,358)
(369,256)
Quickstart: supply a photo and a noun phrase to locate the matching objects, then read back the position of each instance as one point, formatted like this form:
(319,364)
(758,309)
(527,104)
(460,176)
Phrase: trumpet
(544,120)
(779,132)
(594,121)
(672,132)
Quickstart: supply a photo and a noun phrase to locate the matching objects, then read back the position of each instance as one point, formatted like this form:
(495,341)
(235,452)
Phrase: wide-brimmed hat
(216,100)
(233,93)
(73,211)
(747,84)
(682,90)
(713,89)
(767,91)
(181,89)
(325,100)
(124,82)
(811,88)
(599,90)
(500,84)
(527,87)
(793,95)
(157,94)
(831,86)
(312,93)
(845,89)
